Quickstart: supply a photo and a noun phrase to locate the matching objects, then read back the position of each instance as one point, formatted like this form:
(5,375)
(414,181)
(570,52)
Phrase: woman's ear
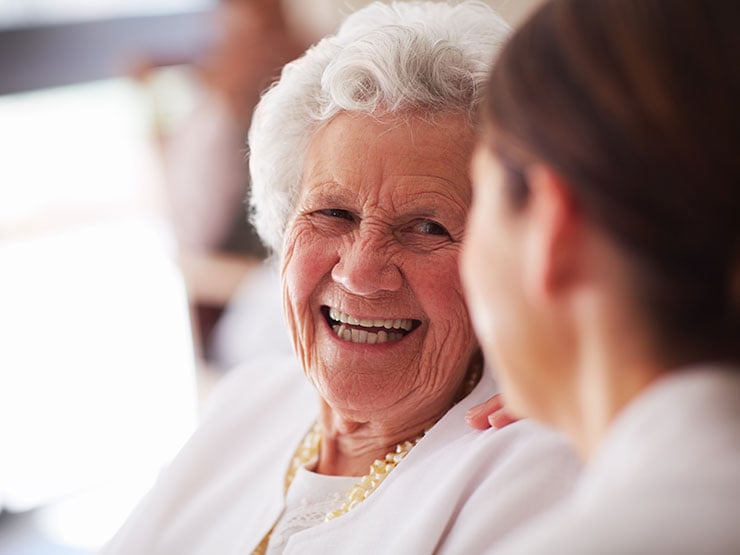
(553,243)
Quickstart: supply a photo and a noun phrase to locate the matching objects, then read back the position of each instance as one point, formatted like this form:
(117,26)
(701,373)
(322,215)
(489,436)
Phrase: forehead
(358,157)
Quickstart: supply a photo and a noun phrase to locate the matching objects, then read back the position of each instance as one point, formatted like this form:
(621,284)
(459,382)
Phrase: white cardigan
(665,481)
(458,491)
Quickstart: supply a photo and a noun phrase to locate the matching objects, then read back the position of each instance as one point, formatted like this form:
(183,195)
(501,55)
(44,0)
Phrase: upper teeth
(403,323)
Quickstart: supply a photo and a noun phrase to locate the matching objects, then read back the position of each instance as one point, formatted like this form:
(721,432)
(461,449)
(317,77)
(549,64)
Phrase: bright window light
(96,362)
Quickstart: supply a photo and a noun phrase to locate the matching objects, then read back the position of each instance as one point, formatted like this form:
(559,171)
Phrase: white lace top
(310,497)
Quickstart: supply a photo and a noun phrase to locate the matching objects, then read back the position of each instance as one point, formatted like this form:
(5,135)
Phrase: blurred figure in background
(205,167)
(205,157)
(602,265)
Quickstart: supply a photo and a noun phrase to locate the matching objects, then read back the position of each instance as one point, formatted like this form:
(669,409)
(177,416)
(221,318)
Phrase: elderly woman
(359,160)
(603,265)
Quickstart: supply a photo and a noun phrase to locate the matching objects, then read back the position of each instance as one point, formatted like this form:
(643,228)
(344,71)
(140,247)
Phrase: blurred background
(129,278)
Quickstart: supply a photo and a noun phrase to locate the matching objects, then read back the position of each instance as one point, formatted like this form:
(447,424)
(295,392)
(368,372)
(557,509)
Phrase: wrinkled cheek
(451,340)
(459,340)
(293,322)
(301,274)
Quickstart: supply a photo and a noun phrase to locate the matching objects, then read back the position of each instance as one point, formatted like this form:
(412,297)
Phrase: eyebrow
(422,202)
(432,203)
(327,193)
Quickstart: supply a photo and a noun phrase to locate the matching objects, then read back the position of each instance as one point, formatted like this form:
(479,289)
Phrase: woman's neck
(348,448)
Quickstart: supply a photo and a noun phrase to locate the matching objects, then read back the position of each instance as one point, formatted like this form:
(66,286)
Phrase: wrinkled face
(370,280)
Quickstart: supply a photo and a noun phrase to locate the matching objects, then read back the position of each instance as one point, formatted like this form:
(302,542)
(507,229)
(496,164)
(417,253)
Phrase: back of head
(634,103)
(421,58)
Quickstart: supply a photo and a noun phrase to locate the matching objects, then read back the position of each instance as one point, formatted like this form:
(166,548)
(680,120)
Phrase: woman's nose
(365,268)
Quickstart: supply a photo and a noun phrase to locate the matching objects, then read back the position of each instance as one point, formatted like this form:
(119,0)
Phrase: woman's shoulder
(228,477)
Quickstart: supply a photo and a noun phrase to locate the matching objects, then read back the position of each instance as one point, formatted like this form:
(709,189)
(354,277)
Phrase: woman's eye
(337,213)
(427,227)
(425,235)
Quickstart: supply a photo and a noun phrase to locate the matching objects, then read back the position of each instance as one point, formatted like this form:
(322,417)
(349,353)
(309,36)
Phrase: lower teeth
(363,336)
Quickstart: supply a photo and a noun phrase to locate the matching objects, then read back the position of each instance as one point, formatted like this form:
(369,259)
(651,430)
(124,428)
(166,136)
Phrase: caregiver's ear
(553,241)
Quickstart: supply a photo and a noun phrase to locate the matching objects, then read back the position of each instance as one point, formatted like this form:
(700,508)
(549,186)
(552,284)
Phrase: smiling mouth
(371,331)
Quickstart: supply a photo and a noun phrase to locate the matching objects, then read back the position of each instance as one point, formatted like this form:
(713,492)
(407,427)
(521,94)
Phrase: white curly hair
(424,58)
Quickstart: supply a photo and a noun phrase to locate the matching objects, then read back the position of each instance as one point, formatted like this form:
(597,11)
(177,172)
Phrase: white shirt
(666,479)
(458,491)
(309,499)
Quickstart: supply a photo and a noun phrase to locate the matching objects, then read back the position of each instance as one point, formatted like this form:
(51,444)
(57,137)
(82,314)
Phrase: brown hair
(635,104)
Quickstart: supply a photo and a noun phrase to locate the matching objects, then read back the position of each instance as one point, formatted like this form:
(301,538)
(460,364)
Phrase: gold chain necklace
(379,470)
